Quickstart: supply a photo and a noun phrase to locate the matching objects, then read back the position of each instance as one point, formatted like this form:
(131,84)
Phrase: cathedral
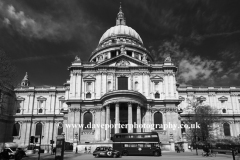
(120,84)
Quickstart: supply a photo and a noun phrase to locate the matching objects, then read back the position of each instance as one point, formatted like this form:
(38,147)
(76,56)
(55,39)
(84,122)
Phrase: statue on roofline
(77,58)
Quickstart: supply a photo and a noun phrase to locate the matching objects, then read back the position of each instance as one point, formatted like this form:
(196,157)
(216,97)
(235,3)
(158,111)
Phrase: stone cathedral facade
(120,84)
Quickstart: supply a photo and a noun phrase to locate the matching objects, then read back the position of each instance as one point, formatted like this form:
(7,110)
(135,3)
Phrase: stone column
(108,122)
(139,117)
(117,118)
(130,128)
(103,121)
(97,121)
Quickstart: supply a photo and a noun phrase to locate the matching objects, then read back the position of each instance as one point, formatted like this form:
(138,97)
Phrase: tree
(203,117)
(7,71)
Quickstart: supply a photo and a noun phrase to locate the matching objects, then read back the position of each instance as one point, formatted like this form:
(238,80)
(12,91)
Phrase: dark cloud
(42,37)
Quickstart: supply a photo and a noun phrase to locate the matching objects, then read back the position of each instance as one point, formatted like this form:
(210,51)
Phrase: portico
(119,116)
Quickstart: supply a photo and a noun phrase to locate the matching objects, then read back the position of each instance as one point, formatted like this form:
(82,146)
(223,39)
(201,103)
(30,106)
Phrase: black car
(106,151)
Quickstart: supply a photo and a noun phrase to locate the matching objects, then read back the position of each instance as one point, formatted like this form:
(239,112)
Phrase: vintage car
(106,151)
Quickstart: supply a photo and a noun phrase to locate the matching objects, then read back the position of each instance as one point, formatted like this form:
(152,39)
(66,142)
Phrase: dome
(120,30)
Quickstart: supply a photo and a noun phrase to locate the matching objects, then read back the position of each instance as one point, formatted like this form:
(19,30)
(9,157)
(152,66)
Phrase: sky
(201,36)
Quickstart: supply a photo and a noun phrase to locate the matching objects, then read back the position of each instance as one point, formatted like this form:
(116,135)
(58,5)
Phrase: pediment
(156,78)
(19,98)
(123,61)
(41,98)
(61,98)
(181,98)
(89,77)
(201,98)
(223,98)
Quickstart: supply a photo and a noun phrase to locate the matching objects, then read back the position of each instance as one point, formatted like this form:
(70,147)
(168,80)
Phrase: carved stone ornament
(123,50)
(77,58)
(87,132)
(123,63)
(144,58)
(168,59)
(164,110)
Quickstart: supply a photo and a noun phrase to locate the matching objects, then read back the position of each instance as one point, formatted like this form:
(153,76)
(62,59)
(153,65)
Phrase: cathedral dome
(120,30)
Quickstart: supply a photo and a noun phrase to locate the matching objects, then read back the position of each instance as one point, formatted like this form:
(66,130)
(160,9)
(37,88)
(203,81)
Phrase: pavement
(165,156)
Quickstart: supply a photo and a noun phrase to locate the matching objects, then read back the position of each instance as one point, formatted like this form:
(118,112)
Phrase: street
(165,156)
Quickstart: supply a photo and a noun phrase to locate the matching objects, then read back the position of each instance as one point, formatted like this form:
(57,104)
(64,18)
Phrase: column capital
(117,104)
(129,104)
(107,106)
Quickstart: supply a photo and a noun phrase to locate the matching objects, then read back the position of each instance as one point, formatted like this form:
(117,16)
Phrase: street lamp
(76,136)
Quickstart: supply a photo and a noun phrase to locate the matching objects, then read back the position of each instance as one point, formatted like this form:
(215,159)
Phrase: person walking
(85,150)
(89,149)
(76,149)
(178,150)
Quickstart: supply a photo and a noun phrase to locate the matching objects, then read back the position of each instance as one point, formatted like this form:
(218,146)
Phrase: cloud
(197,68)
(47,24)
(27,25)
(190,67)
(37,58)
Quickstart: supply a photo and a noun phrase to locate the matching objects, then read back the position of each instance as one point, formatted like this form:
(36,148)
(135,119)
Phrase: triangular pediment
(122,61)
(89,77)
(201,98)
(41,98)
(223,98)
(19,98)
(156,77)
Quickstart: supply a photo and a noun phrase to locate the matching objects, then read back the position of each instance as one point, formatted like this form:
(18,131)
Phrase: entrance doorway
(123,129)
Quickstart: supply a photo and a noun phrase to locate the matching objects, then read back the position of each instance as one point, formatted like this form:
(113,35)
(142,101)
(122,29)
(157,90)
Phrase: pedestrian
(85,149)
(178,150)
(76,149)
(89,149)
(54,150)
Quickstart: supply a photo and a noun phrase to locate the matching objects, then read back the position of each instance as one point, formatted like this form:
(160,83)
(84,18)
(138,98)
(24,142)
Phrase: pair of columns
(117,113)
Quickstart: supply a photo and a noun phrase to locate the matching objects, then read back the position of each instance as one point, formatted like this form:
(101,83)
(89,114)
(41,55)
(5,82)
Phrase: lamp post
(76,138)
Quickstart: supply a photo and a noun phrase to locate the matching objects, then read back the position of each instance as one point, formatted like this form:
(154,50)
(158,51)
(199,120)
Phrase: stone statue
(168,59)
(144,57)
(122,63)
(77,58)
(123,50)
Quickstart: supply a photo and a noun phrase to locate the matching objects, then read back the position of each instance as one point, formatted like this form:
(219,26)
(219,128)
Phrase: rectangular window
(122,83)
(89,87)
(133,145)
(125,145)
(140,145)
(147,145)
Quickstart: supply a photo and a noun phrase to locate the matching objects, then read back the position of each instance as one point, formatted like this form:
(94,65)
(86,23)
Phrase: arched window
(109,86)
(158,121)
(60,129)
(226,129)
(224,111)
(18,110)
(87,120)
(40,110)
(136,86)
(38,130)
(157,95)
(88,95)
(16,129)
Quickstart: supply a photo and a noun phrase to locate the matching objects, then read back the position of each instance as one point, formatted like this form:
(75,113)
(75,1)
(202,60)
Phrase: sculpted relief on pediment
(122,63)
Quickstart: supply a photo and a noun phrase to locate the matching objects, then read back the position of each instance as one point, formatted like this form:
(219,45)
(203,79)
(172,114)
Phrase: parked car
(106,151)
(9,150)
